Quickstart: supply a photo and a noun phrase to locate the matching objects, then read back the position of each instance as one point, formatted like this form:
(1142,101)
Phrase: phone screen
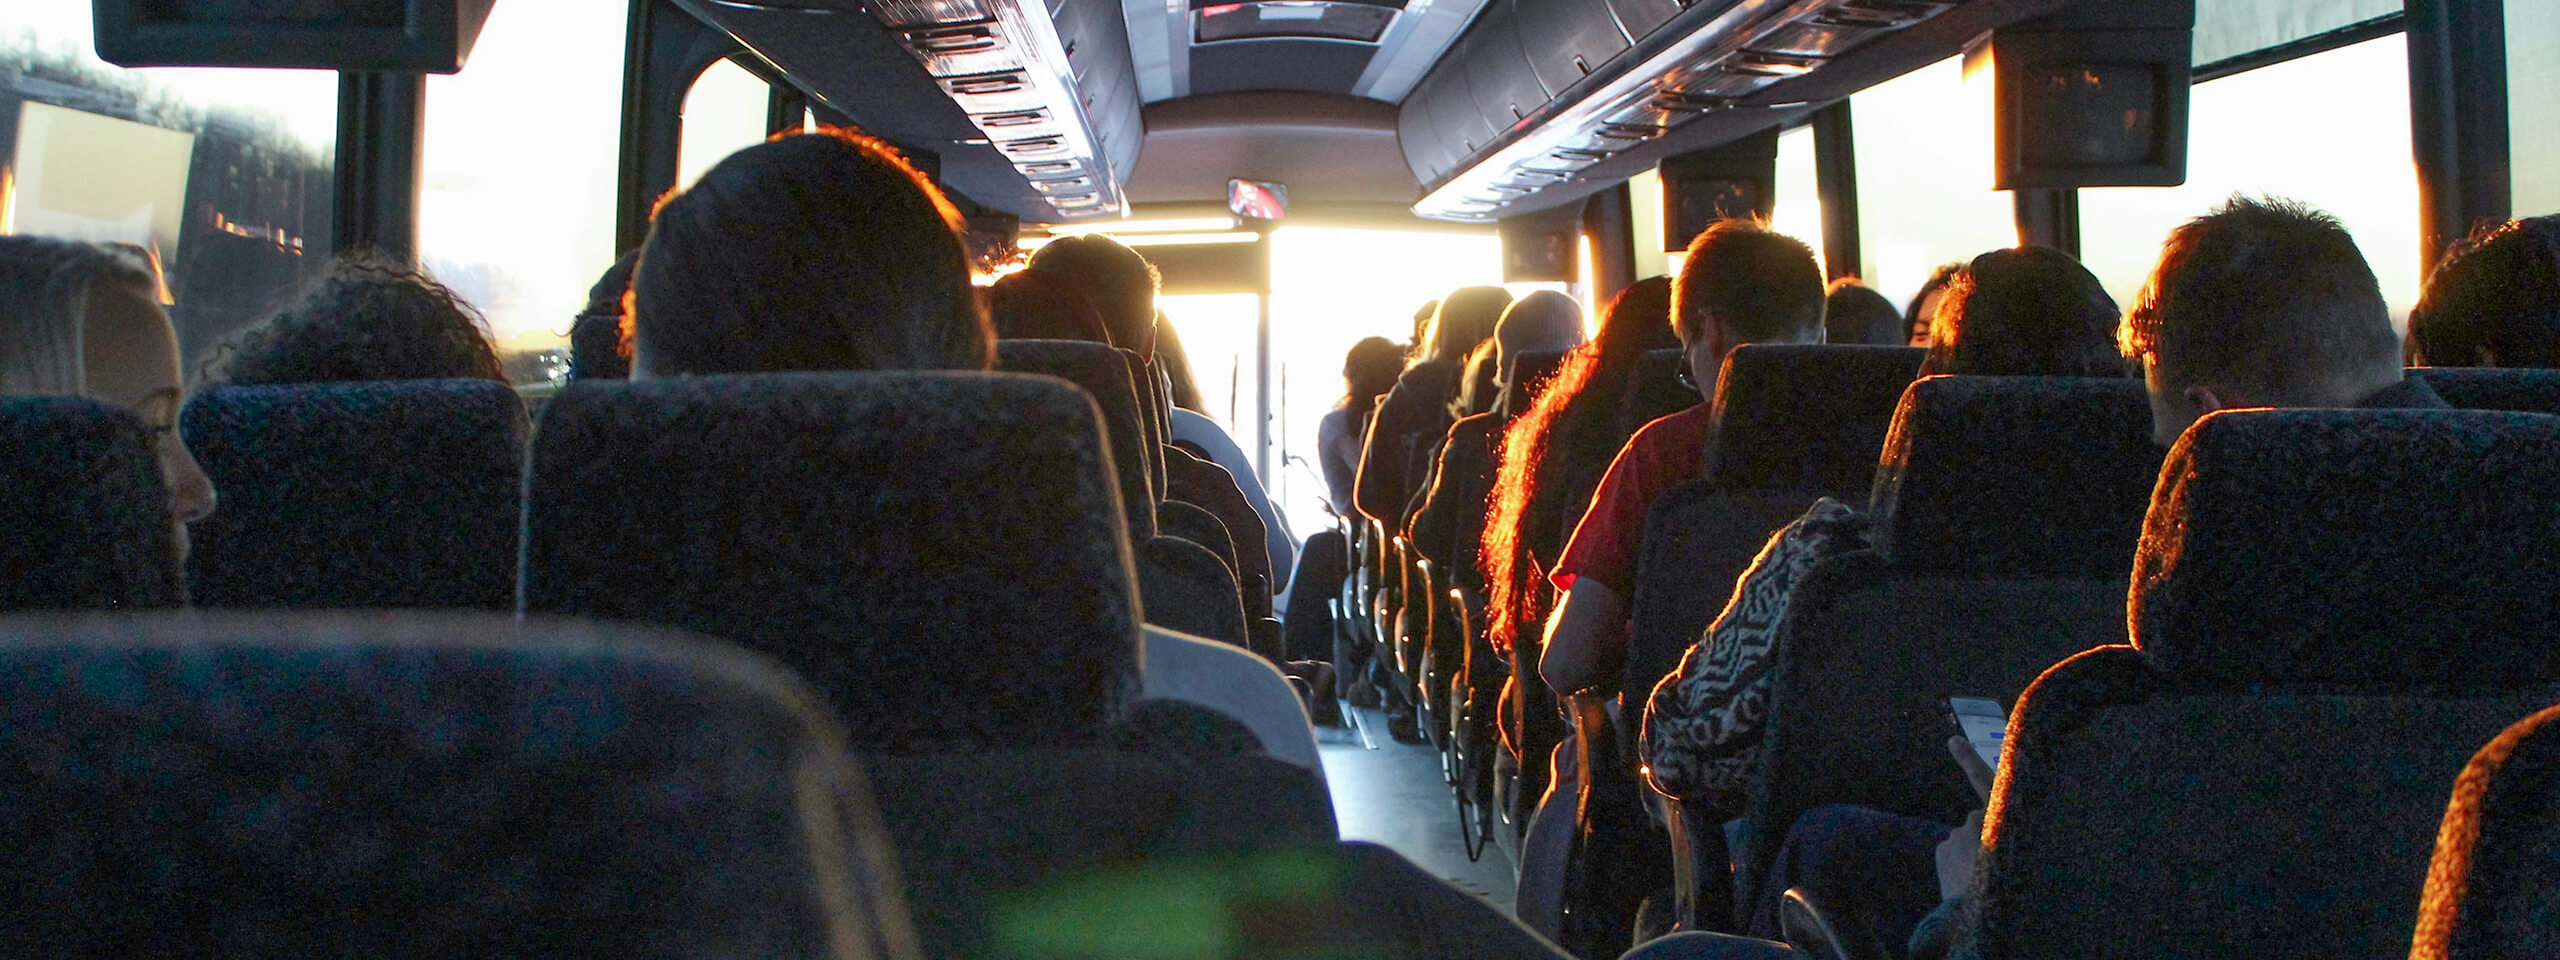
(1983,723)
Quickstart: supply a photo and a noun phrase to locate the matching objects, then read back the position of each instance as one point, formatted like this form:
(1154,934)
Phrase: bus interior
(1298,176)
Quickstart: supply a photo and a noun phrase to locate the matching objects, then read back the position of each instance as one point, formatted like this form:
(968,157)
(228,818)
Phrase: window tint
(723,113)
(223,175)
(1923,142)
(2340,142)
(517,207)
(2533,125)
(1798,212)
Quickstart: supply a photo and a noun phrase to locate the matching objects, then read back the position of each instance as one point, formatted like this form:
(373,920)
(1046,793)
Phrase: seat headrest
(1805,416)
(2016,477)
(426,786)
(1100,370)
(2488,388)
(943,554)
(84,513)
(2402,548)
(1530,372)
(380,494)
(2488,885)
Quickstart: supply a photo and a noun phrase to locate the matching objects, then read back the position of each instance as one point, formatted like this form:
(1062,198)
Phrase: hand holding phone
(1983,725)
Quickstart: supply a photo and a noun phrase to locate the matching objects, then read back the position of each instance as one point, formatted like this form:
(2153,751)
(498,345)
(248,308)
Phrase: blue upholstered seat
(85,509)
(384,494)
(2491,893)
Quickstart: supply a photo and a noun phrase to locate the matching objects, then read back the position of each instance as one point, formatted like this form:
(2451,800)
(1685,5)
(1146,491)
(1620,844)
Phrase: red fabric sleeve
(1664,454)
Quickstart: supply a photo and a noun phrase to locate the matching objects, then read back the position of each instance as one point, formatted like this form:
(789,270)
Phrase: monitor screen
(1258,200)
(1691,204)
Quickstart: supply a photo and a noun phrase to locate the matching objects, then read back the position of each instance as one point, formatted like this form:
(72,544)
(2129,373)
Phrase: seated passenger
(2494,301)
(596,350)
(1855,313)
(892,292)
(1449,524)
(83,319)
(1416,411)
(1923,308)
(2260,302)
(1033,306)
(1174,362)
(1369,370)
(365,318)
(1741,284)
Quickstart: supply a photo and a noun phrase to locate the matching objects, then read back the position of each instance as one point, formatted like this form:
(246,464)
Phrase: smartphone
(1983,723)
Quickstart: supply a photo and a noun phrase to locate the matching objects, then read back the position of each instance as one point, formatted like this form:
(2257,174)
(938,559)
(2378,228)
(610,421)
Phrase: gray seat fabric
(1982,582)
(1177,590)
(2524,390)
(2331,610)
(1657,391)
(943,555)
(2490,891)
(391,494)
(1805,416)
(86,511)
(286,785)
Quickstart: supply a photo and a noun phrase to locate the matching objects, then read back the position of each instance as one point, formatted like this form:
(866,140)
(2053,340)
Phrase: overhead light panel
(1003,63)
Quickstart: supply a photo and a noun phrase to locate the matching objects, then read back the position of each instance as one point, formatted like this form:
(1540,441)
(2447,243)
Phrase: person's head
(2494,300)
(820,251)
(2027,312)
(1855,313)
(1368,371)
(1540,322)
(1638,320)
(366,317)
(596,347)
(1421,328)
(1923,309)
(85,319)
(1465,318)
(1482,383)
(2259,303)
(1743,283)
(1031,306)
(1118,281)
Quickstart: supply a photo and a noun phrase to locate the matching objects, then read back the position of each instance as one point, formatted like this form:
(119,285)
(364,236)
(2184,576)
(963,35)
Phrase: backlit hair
(44,298)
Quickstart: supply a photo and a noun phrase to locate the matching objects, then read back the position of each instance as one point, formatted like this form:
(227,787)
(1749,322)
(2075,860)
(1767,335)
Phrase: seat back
(941,554)
(1531,371)
(1872,644)
(1657,391)
(2489,887)
(1805,416)
(1698,538)
(285,785)
(1103,372)
(2525,390)
(386,494)
(2330,612)
(85,509)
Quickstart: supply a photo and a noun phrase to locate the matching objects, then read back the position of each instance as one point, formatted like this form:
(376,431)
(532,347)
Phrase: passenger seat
(85,510)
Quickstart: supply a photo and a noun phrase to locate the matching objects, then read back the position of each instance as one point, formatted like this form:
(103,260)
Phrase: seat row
(945,559)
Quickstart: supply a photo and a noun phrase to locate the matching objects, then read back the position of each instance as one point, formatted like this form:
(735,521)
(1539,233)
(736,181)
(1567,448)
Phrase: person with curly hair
(365,318)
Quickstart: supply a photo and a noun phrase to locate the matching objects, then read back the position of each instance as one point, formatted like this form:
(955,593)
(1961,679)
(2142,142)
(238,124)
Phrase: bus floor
(1392,794)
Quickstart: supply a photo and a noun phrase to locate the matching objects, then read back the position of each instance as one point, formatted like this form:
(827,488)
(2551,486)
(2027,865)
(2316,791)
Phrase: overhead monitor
(1733,181)
(1538,249)
(2092,101)
(427,36)
(1258,199)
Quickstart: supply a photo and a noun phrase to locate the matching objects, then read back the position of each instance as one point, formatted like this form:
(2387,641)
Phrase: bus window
(223,176)
(1798,210)
(517,204)
(2533,125)
(723,113)
(2330,130)
(1923,142)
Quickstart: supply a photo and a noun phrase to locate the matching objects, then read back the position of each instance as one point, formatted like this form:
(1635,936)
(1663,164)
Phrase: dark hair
(2027,312)
(1034,306)
(1913,321)
(1121,284)
(2494,300)
(1182,386)
(1465,318)
(366,317)
(1853,312)
(2267,294)
(597,350)
(820,251)
(1369,370)
(1553,455)
(1754,283)
(1481,385)
(1543,320)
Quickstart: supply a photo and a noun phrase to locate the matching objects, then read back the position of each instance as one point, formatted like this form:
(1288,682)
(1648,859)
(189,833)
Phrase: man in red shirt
(1741,283)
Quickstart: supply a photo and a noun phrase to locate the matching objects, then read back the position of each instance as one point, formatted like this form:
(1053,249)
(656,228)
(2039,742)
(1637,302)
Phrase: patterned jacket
(1702,725)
